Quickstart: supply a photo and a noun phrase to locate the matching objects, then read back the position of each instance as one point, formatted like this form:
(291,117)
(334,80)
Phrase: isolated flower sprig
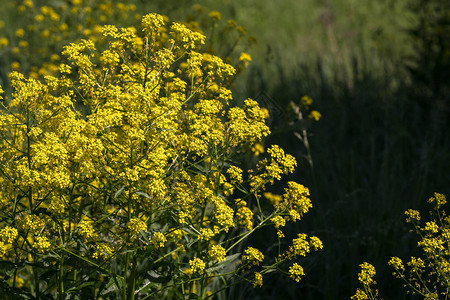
(428,275)
(118,176)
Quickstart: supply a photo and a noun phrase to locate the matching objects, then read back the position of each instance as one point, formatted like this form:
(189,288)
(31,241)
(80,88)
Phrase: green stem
(61,278)
(250,232)
(36,279)
(132,280)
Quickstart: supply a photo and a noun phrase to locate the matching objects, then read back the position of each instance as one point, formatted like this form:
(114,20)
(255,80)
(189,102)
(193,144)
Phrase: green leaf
(158,278)
(117,194)
(113,285)
(228,260)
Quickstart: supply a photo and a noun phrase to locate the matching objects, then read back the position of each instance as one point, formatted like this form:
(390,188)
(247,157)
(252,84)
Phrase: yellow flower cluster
(159,239)
(258,280)
(412,216)
(244,216)
(438,199)
(296,272)
(44,28)
(217,252)
(365,277)
(136,225)
(252,257)
(8,234)
(367,273)
(197,265)
(301,246)
(41,243)
(360,295)
(31,223)
(102,250)
(86,230)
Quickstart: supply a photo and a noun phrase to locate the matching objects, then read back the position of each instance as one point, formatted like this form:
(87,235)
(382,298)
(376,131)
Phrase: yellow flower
(235,174)
(252,257)
(439,199)
(4,42)
(397,264)
(23,44)
(258,280)
(215,16)
(278,221)
(300,246)
(217,253)
(367,273)
(20,33)
(8,234)
(245,58)
(257,149)
(41,244)
(86,230)
(206,234)
(296,272)
(314,115)
(45,33)
(306,101)
(39,18)
(244,215)
(159,239)
(360,295)
(315,243)
(412,216)
(103,250)
(432,227)
(197,265)
(416,264)
(28,3)
(135,226)
(3,249)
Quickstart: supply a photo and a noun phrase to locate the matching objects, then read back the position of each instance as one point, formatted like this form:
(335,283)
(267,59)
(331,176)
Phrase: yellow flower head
(41,244)
(8,234)
(197,265)
(306,101)
(258,280)
(102,250)
(215,16)
(245,58)
(159,239)
(367,273)
(412,216)
(296,272)
(439,199)
(217,253)
(252,257)
(20,33)
(315,115)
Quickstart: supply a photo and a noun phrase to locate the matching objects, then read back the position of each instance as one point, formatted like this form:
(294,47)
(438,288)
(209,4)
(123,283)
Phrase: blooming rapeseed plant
(119,169)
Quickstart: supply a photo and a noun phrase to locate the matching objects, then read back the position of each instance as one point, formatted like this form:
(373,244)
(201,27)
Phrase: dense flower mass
(120,167)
